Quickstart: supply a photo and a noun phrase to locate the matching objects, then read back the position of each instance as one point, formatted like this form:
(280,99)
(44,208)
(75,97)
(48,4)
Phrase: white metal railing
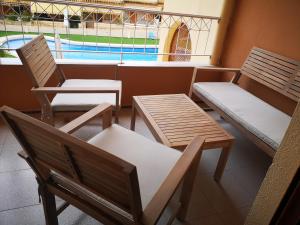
(108,29)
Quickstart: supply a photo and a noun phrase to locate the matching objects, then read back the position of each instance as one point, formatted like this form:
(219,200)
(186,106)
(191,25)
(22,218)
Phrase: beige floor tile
(225,196)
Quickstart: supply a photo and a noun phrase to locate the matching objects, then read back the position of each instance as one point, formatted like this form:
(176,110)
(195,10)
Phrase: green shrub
(5,54)
(26,16)
(13,16)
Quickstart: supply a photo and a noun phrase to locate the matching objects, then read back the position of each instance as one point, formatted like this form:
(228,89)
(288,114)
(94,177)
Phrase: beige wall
(272,25)
(201,7)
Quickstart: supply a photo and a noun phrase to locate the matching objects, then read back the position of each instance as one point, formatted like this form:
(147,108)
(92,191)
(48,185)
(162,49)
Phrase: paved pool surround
(94,51)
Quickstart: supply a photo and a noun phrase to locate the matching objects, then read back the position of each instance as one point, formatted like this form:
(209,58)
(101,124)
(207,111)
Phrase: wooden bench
(259,121)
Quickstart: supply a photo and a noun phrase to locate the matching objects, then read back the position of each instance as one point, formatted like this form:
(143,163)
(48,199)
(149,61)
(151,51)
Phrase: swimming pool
(16,43)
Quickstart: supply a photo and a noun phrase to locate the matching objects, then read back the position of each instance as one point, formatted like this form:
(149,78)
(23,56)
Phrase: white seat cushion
(153,160)
(257,116)
(84,102)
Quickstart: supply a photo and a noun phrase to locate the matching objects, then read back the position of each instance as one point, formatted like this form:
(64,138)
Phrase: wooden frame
(70,168)
(272,70)
(40,66)
(175,119)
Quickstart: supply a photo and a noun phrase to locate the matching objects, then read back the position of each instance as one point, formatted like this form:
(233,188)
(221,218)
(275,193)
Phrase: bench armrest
(162,197)
(53,90)
(104,109)
(218,69)
(236,77)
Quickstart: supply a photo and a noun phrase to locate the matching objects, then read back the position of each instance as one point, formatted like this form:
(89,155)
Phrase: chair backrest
(274,71)
(38,61)
(98,177)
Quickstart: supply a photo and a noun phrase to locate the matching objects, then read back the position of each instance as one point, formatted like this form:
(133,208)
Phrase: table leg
(117,109)
(133,117)
(222,163)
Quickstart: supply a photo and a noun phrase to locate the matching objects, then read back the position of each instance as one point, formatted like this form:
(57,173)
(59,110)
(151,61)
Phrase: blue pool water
(90,55)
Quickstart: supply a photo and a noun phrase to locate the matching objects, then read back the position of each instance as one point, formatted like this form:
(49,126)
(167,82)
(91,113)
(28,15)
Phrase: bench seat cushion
(263,120)
(153,160)
(85,102)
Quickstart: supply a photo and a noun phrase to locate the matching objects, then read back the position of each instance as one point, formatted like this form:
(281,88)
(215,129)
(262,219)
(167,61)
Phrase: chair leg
(187,188)
(47,116)
(117,108)
(117,116)
(222,163)
(133,117)
(49,206)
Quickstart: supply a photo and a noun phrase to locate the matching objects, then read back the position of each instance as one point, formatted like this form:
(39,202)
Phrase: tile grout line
(22,207)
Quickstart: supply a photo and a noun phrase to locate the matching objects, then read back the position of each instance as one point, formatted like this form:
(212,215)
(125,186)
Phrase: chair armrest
(218,69)
(169,186)
(53,90)
(104,109)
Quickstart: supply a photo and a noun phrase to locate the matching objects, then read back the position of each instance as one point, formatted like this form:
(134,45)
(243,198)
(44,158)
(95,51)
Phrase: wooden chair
(117,177)
(71,95)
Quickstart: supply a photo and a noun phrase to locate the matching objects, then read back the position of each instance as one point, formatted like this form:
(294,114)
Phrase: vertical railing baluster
(21,20)
(53,26)
(97,37)
(188,37)
(4,23)
(82,25)
(110,21)
(169,27)
(37,18)
(178,35)
(146,38)
(68,26)
(157,33)
(207,37)
(134,31)
(198,37)
(123,25)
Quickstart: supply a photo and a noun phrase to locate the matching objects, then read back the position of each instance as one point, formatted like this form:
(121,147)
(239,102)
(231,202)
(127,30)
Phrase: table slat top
(177,120)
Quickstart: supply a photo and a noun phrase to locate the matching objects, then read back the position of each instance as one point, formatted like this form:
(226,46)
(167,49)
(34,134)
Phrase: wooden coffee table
(175,120)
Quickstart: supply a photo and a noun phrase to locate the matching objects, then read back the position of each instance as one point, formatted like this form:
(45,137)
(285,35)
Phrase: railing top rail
(111,7)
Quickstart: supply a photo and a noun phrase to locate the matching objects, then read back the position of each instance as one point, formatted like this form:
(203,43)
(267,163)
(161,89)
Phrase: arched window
(181,44)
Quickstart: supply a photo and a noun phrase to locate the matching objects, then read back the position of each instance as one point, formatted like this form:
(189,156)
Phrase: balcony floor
(212,204)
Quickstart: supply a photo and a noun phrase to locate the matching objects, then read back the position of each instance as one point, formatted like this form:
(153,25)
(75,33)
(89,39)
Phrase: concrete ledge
(161,64)
(17,61)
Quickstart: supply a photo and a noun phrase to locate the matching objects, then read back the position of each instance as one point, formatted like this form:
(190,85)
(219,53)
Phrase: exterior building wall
(201,7)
